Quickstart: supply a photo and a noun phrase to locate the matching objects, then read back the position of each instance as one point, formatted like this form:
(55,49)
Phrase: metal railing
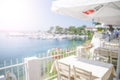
(46,60)
(17,69)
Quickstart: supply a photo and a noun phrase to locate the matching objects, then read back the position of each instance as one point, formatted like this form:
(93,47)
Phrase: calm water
(15,47)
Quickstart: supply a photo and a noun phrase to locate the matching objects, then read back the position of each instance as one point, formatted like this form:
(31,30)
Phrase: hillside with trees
(71,30)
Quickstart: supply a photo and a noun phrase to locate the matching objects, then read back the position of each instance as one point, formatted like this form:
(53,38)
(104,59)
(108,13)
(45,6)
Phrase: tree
(78,30)
(65,31)
(58,30)
(81,30)
(83,26)
(96,23)
(72,30)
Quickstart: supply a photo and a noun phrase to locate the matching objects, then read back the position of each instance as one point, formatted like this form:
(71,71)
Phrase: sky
(33,15)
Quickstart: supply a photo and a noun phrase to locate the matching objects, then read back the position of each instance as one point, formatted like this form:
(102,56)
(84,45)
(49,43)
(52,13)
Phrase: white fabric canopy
(104,11)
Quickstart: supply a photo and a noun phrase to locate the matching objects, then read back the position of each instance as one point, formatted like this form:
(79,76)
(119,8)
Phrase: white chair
(80,74)
(83,52)
(114,57)
(111,45)
(63,71)
(102,54)
(88,50)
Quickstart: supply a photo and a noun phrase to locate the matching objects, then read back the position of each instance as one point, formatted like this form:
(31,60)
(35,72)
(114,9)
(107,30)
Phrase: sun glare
(13,12)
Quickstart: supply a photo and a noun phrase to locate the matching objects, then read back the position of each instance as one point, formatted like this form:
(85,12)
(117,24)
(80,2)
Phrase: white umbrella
(104,11)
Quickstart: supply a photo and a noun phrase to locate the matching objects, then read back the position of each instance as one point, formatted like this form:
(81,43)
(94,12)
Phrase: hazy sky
(32,15)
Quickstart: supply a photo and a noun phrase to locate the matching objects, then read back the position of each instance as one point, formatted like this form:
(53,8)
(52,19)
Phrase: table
(100,70)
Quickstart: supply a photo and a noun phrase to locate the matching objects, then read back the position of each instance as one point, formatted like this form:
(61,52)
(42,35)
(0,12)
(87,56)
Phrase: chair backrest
(102,54)
(82,52)
(63,70)
(111,45)
(80,74)
(113,55)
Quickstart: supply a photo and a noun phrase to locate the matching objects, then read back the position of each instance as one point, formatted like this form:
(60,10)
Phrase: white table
(100,70)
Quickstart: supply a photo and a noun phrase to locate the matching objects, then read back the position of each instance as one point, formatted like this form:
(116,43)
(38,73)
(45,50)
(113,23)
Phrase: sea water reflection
(15,47)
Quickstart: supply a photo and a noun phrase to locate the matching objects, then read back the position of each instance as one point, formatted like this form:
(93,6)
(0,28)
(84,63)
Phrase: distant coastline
(45,35)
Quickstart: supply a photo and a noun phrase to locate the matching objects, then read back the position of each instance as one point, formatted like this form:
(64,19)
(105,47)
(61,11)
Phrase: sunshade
(103,11)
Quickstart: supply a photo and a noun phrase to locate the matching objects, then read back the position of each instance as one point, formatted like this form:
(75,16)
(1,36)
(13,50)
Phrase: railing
(17,69)
(46,61)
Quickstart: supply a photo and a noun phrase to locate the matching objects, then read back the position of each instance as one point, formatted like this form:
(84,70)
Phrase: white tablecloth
(100,70)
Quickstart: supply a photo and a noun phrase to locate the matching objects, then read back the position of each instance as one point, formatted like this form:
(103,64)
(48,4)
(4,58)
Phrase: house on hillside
(90,28)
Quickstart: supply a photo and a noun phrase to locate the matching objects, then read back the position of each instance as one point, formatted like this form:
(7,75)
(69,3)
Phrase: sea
(13,50)
(19,47)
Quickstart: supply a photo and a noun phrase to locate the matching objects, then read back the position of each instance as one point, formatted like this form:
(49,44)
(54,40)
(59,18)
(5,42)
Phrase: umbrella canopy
(103,11)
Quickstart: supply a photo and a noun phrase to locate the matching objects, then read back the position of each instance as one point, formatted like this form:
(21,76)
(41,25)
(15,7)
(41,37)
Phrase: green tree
(90,34)
(58,30)
(81,30)
(72,30)
(78,30)
(97,23)
(65,31)
(83,27)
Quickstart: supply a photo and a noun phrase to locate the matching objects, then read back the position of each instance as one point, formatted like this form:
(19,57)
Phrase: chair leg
(58,76)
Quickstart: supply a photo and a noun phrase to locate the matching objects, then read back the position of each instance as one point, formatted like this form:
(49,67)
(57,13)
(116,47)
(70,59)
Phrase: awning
(103,11)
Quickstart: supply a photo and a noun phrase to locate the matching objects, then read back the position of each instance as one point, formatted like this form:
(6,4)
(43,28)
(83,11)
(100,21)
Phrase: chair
(80,74)
(111,45)
(83,52)
(102,54)
(63,71)
(114,57)
(88,50)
